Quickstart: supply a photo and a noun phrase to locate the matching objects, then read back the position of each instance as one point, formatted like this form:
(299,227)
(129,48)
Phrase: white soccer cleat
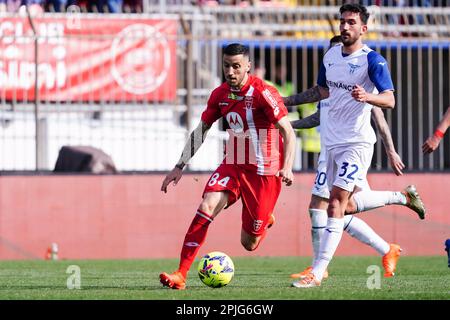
(309,281)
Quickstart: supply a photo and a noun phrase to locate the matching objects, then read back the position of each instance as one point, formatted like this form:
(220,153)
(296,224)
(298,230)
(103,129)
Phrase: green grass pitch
(256,278)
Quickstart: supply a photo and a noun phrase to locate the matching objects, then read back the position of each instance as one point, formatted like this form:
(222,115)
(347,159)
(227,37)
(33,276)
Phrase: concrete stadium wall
(127,216)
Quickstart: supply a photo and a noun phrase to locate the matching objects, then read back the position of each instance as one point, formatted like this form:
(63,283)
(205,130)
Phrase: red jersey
(251,113)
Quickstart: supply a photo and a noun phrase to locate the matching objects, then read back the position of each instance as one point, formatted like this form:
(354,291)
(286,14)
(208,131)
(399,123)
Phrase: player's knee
(207,206)
(318,203)
(250,245)
(351,208)
(334,206)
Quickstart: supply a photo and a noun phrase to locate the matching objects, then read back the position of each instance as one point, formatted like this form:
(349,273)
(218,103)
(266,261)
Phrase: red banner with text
(88,59)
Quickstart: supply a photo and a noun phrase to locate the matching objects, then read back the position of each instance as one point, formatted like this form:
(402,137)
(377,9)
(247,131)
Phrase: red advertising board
(88,59)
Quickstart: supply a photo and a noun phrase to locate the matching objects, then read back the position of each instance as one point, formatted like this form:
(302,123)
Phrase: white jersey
(349,120)
(323,107)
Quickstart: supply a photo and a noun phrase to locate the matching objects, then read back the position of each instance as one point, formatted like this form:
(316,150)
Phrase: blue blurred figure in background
(108,6)
(59,5)
(102,6)
(447,248)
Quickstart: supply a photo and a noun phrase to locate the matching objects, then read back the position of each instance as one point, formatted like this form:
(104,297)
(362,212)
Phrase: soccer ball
(216,269)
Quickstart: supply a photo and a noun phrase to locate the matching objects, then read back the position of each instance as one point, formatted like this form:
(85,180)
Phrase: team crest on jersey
(234,96)
(257,224)
(353,67)
(248,102)
(235,122)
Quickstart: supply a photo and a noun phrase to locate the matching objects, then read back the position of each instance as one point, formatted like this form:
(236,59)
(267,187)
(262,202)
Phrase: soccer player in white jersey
(349,75)
(361,201)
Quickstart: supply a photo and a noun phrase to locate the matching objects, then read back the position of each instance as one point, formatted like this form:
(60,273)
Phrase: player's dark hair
(356,8)
(234,49)
(335,40)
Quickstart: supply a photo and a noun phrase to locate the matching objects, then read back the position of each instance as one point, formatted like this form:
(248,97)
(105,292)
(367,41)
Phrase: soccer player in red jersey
(259,158)
(433,141)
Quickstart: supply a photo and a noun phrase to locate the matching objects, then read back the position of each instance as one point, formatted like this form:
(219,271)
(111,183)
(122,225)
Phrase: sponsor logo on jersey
(340,85)
(273,102)
(234,96)
(223,104)
(270,97)
(257,224)
(235,122)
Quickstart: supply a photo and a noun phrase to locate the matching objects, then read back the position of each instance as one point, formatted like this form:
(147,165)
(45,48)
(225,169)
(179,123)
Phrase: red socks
(193,240)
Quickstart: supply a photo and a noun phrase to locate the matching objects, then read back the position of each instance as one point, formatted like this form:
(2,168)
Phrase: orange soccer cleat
(175,280)
(304,273)
(309,281)
(390,260)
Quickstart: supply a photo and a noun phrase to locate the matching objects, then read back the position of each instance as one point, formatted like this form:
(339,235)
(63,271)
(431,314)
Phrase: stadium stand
(135,128)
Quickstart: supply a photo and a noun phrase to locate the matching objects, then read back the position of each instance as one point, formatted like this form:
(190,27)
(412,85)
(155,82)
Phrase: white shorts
(347,166)
(320,187)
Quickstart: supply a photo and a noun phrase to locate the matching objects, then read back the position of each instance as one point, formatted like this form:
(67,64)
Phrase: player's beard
(232,82)
(348,41)
(237,82)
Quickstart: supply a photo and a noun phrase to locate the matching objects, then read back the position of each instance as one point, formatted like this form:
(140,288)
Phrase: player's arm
(395,161)
(433,141)
(311,121)
(313,94)
(289,141)
(196,139)
(384,99)
(380,76)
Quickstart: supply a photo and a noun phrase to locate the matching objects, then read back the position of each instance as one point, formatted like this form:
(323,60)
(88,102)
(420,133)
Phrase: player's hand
(396,163)
(286,176)
(174,175)
(430,144)
(359,94)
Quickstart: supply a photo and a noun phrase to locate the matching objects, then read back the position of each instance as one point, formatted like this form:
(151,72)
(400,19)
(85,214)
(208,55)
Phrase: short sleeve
(379,72)
(273,104)
(212,111)
(322,78)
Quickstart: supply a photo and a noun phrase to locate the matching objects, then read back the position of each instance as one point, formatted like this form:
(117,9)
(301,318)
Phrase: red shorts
(259,194)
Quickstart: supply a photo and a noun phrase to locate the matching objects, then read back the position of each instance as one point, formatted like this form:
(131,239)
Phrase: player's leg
(318,207)
(370,199)
(317,211)
(346,166)
(333,231)
(259,196)
(221,191)
(318,214)
(361,231)
(209,208)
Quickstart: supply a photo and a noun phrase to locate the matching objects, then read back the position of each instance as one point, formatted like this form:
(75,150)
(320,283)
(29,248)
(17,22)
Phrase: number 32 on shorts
(351,169)
(215,179)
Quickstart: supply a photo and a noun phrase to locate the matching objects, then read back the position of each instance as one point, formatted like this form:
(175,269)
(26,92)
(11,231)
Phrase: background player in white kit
(349,75)
(361,201)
